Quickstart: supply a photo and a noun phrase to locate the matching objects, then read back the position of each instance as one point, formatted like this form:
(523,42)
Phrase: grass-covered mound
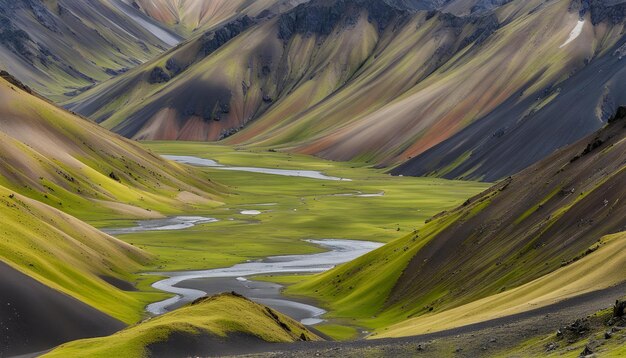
(201,328)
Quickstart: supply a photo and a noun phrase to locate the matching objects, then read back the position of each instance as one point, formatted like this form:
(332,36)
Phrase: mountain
(188,16)
(554,230)
(63,279)
(472,89)
(215,326)
(59,48)
(70,163)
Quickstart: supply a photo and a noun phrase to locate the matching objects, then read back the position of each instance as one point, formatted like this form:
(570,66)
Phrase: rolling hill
(465,89)
(215,326)
(63,279)
(549,232)
(59,48)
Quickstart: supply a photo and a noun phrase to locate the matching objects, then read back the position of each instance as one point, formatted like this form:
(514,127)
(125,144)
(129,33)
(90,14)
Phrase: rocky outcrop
(612,12)
(158,75)
(322,17)
(213,40)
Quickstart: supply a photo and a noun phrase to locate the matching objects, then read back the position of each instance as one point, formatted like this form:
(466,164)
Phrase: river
(188,286)
(201,162)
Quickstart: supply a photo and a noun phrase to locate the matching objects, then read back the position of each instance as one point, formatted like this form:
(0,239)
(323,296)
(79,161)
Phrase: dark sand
(483,339)
(34,317)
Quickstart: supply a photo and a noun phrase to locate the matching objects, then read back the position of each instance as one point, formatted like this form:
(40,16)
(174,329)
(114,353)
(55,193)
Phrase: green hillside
(223,322)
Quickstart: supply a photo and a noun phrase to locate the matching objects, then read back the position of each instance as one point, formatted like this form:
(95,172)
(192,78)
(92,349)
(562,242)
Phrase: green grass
(338,332)
(302,208)
(217,316)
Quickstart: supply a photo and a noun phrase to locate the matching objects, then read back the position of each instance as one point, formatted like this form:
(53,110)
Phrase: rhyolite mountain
(59,48)
(546,233)
(463,89)
(187,17)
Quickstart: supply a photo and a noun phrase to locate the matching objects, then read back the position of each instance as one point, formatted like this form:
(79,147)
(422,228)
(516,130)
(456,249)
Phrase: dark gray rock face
(613,12)
(158,75)
(213,40)
(322,17)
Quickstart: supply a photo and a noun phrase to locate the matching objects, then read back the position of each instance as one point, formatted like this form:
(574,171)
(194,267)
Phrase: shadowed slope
(34,317)
(525,227)
(61,47)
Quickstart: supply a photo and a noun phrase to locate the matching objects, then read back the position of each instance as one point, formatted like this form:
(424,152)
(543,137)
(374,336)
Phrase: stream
(191,285)
(188,286)
(201,162)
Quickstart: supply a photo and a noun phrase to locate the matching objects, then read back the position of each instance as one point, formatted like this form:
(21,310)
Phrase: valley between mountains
(297,178)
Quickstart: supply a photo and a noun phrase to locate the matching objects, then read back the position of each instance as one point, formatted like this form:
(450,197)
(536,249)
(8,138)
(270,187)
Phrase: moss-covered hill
(212,326)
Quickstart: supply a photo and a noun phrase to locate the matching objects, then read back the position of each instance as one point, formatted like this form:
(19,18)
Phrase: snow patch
(578,29)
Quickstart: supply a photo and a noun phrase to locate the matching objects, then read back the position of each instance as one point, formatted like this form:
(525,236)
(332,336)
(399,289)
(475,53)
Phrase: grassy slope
(68,163)
(216,316)
(597,271)
(70,256)
(51,161)
(525,227)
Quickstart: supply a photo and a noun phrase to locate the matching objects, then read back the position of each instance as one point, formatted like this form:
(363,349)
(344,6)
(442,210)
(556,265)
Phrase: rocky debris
(173,67)
(229,132)
(551,346)
(619,309)
(15,82)
(114,176)
(112,72)
(213,40)
(586,352)
(619,115)
(158,75)
(573,332)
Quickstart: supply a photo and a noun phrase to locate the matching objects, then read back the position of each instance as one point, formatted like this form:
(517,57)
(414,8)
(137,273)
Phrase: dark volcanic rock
(213,40)
(15,39)
(158,75)
(619,310)
(612,12)
(42,14)
(322,17)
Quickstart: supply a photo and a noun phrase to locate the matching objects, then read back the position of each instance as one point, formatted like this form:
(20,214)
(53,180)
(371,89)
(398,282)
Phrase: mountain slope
(72,164)
(280,65)
(59,48)
(216,326)
(54,271)
(472,96)
(527,226)
(53,164)
(187,16)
